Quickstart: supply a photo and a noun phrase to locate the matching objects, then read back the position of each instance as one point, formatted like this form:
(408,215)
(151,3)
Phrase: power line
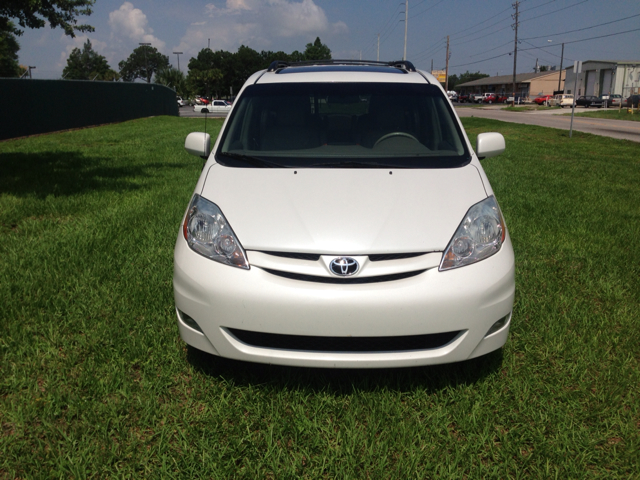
(555,11)
(548,46)
(426,10)
(581,29)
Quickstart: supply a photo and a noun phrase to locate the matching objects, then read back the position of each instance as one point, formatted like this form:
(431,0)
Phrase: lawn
(97,384)
(611,113)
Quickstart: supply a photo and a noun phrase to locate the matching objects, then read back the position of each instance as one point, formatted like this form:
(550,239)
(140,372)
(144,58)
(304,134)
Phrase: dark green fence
(28,107)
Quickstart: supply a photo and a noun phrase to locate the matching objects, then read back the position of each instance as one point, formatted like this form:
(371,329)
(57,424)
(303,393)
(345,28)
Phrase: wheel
(394,134)
(490,101)
(586,106)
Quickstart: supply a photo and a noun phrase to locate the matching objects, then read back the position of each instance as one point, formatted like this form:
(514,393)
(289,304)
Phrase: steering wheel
(395,134)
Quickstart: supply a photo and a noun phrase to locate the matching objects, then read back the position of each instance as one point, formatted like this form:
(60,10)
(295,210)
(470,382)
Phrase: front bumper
(223,299)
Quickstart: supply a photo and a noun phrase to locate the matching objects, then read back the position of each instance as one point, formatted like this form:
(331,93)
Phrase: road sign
(441,75)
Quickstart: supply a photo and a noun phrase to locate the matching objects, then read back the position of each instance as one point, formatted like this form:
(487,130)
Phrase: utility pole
(515,51)
(560,76)
(378,59)
(446,75)
(178,55)
(146,64)
(406,20)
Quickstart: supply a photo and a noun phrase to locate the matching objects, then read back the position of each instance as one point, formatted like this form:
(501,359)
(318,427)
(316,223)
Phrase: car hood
(344,211)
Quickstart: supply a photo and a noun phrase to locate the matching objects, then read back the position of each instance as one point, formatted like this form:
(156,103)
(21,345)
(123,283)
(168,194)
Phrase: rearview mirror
(198,144)
(489,145)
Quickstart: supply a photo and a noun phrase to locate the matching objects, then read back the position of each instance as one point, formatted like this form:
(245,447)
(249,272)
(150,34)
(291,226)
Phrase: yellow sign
(441,75)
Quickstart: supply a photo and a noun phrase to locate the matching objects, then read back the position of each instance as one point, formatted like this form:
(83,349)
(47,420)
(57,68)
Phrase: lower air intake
(305,343)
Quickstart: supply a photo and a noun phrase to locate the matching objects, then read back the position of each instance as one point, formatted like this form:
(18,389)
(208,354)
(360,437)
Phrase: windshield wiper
(255,161)
(352,164)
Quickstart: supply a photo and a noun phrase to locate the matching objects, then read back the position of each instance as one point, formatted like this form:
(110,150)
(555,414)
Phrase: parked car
(476,97)
(632,101)
(216,106)
(611,100)
(562,100)
(587,101)
(201,100)
(492,98)
(542,99)
(181,102)
(321,234)
(453,96)
(517,100)
(463,97)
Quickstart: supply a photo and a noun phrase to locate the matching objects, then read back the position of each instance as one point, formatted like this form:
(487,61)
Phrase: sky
(481,34)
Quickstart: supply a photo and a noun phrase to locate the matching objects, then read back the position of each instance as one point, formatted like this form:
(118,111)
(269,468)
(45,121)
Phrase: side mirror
(199,144)
(489,145)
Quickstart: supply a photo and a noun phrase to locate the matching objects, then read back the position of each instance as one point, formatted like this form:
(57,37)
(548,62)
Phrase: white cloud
(131,22)
(262,25)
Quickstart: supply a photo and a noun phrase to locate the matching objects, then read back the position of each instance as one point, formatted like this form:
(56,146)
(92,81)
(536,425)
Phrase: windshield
(343,125)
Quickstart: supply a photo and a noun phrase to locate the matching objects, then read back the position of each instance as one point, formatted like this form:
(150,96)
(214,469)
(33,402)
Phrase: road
(188,112)
(555,118)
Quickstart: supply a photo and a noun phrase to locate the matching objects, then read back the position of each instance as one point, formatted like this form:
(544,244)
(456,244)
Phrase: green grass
(97,384)
(611,113)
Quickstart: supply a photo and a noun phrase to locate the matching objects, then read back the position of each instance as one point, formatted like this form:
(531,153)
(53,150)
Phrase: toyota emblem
(344,266)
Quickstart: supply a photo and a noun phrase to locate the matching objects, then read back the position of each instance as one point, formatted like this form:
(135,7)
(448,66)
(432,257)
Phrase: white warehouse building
(601,77)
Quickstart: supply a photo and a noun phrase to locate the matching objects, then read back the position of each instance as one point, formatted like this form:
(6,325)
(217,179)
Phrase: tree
(172,78)
(87,64)
(317,51)
(464,78)
(143,63)
(36,13)
(9,47)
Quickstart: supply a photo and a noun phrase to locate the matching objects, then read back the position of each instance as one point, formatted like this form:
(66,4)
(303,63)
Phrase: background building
(600,77)
(527,84)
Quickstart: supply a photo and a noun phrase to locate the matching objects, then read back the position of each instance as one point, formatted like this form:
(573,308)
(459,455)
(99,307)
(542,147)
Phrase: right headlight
(479,236)
(208,233)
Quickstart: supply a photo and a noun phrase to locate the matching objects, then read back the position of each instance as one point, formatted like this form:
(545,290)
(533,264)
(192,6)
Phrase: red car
(542,100)
(495,98)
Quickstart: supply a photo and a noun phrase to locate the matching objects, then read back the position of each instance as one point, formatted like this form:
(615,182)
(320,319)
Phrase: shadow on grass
(66,173)
(345,381)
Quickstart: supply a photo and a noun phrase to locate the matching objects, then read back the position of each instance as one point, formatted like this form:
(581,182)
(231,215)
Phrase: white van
(343,219)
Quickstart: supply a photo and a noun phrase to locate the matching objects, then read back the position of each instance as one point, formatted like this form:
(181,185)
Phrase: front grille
(307,343)
(344,281)
(297,256)
(313,257)
(393,256)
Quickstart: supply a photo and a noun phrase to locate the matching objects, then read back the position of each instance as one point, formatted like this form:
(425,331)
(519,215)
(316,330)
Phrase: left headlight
(208,233)
(480,235)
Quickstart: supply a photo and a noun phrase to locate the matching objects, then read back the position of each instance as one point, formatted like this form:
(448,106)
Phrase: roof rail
(276,65)
(401,64)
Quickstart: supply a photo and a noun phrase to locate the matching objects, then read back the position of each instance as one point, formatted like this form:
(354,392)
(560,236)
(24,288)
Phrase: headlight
(479,236)
(207,232)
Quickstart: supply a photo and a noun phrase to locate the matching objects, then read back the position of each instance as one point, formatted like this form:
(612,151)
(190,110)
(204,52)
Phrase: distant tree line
(464,78)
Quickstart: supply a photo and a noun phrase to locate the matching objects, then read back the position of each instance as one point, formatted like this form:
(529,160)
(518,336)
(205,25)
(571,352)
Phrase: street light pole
(178,55)
(146,64)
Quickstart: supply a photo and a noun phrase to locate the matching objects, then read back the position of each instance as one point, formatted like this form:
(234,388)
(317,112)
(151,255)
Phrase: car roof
(344,71)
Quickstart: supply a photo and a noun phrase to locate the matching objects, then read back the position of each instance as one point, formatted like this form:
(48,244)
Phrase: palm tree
(172,78)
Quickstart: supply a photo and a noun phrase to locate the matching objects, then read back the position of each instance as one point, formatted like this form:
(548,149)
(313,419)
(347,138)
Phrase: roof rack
(401,64)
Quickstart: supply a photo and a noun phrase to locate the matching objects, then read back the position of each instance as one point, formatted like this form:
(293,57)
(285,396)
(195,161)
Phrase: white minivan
(343,219)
